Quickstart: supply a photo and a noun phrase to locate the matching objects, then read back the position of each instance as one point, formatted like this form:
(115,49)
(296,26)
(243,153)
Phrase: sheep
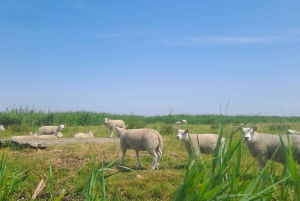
(265,147)
(2,128)
(46,137)
(293,132)
(25,137)
(177,122)
(207,142)
(141,140)
(112,124)
(50,130)
(84,135)
(184,121)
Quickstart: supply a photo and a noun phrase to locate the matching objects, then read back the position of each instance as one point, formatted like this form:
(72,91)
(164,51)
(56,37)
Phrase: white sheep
(177,122)
(293,132)
(184,121)
(207,142)
(112,124)
(265,147)
(141,140)
(50,130)
(84,135)
(25,137)
(2,128)
(45,137)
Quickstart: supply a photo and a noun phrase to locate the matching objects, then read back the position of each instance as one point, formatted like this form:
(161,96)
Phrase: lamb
(184,121)
(2,128)
(293,132)
(84,135)
(50,130)
(207,142)
(112,124)
(265,147)
(177,122)
(141,140)
(46,137)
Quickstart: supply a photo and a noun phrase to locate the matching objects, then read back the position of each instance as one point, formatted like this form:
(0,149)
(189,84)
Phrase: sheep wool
(141,140)
(265,147)
(84,135)
(50,130)
(112,124)
(293,132)
(207,142)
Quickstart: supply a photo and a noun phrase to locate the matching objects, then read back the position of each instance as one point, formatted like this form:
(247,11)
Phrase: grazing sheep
(293,132)
(265,147)
(207,142)
(2,128)
(184,121)
(112,124)
(141,140)
(50,130)
(84,135)
(177,122)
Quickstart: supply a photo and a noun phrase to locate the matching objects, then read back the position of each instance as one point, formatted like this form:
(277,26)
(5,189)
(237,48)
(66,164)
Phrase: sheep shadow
(128,169)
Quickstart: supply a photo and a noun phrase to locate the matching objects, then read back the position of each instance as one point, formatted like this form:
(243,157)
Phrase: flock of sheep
(260,145)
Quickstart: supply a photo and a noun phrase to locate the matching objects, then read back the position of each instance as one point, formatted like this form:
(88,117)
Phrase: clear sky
(151,57)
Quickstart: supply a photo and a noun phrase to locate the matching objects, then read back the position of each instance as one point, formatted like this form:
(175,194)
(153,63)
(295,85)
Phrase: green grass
(90,172)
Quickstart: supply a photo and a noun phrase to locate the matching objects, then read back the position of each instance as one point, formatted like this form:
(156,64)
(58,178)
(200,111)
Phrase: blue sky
(146,57)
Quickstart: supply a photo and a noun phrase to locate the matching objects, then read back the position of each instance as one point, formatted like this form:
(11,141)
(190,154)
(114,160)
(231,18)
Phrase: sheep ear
(177,129)
(239,127)
(125,126)
(255,128)
(186,130)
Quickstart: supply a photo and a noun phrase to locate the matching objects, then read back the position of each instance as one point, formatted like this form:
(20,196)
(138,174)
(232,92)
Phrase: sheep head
(182,134)
(118,131)
(248,133)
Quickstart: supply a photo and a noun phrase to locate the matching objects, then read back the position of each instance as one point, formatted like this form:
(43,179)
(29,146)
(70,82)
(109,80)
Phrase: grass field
(88,171)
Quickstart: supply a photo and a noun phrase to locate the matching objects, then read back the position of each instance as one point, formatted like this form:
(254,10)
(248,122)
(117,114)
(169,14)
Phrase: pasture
(86,171)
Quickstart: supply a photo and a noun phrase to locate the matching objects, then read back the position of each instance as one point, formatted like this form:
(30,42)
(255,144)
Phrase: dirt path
(42,143)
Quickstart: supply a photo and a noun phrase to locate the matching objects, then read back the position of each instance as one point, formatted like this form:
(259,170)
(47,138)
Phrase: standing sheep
(141,140)
(112,124)
(265,147)
(177,122)
(207,142)
(2,128)
(184,121)
(84,135)
(50,130)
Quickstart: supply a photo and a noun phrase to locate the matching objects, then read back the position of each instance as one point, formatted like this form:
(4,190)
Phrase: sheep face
(58,134)
(248,133)
(182,134)
(106,120)
(118,132)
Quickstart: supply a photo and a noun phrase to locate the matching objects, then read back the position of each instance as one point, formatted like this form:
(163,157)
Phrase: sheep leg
(111,133)
(154,159)
(159,154)
(137,153)
(122,158)
(262,161)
